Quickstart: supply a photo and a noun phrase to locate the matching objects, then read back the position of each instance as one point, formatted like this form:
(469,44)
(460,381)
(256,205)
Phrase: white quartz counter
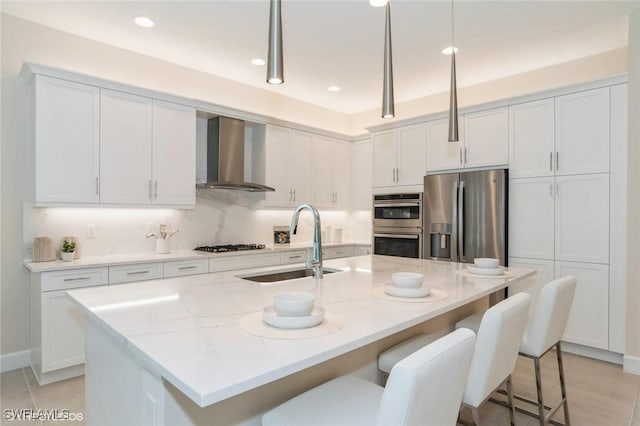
(186,329)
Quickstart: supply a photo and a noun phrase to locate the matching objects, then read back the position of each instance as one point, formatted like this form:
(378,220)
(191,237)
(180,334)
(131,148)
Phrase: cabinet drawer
(76,278)
(179,268)
(293,257)
(243,262)
(138,272)
(336,252)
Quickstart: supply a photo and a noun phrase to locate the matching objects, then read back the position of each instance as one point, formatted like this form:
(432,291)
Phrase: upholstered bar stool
(544,331)
(425,388)
(494,355)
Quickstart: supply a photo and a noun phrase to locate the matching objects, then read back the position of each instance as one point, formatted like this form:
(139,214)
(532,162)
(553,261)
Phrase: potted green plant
(68,250)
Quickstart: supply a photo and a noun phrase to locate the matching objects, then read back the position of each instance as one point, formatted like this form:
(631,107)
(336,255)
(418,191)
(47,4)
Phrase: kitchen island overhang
(185,331)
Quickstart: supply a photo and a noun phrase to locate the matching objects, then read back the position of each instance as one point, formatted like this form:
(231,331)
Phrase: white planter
(67,257)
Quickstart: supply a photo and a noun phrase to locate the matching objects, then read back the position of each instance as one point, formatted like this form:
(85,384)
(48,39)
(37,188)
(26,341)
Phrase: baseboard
(15,360)
(631,364)
(589,352)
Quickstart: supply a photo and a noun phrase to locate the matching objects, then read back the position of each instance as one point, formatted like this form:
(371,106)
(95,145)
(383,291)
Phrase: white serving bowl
(485,262)
(294,303)
(406,279)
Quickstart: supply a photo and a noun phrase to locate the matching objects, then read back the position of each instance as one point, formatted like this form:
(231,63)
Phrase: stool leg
(563,389)
(512,407)
(475,415)
(536,362)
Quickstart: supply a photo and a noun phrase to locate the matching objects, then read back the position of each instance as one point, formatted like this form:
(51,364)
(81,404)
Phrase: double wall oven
(397,225)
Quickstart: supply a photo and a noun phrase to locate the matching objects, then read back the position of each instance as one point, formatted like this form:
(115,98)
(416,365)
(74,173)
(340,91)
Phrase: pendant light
(453,94)
(275,68)
(388,108)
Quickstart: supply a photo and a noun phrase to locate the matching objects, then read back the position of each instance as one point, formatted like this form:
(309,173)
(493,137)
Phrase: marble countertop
(132,258)
(186,329)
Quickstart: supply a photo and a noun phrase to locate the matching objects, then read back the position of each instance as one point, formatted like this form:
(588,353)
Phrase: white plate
(485,271)
(392,290)
(270,316)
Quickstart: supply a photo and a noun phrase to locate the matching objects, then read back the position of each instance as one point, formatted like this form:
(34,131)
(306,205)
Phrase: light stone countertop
(133,258)
(186,329)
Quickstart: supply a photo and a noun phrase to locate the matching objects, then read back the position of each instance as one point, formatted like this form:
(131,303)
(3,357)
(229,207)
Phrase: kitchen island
(173,352)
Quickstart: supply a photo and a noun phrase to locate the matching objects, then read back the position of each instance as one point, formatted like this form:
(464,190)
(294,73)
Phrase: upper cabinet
(361,156)
(331,173)
(565,135)
(67,133)
(399,156)
(483,141)
(103,146)
(288,167)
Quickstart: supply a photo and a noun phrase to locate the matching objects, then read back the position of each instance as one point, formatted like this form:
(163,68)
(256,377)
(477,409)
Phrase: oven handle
(416,204)
(405,236)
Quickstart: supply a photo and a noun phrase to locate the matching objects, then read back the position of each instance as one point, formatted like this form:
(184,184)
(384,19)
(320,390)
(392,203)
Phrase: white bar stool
(494,356)
(544,331)
(413,396)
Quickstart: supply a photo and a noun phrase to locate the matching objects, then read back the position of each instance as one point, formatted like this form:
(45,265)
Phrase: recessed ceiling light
(333,89)
(258,61)
(378,3)
(143,21)
(447,51)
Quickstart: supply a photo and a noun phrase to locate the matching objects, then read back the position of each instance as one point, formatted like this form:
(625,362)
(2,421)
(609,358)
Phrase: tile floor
(600,394)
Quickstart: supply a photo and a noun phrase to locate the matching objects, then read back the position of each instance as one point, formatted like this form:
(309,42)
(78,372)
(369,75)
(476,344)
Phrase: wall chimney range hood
(225,156)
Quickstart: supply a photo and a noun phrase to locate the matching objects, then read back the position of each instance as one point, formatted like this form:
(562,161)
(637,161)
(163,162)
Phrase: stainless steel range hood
(225,156)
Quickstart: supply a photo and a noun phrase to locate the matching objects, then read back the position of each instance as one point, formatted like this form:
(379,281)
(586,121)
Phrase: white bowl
(406,279)
(294,303)
(485,262)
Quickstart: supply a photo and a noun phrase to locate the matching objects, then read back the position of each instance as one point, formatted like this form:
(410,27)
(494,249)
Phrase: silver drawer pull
(137,272)
(187,267)
(77,278)
(295,257)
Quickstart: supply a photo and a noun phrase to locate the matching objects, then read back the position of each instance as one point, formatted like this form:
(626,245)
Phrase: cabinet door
(384,159)
(125,148)
(582,132)
(67,126)
(487,138)
(277,167)
(589,318)
(531,218)
(323,171)
(300,167)
(342,174)
(531,139)
(361,167)
(442,154)
(411,155)
(582,218)
(532,285)
(174,154)
(62,332)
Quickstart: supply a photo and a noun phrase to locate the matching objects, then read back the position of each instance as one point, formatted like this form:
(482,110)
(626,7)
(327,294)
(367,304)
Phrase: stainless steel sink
(283,275)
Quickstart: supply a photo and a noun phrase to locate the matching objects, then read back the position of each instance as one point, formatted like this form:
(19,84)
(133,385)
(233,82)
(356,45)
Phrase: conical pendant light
(275,68)
(388,108)
(453,95)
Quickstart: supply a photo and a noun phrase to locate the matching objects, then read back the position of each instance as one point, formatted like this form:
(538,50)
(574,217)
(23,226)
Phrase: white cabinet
(67,141)
(532,138)
(180,268)
(337,252)
(483,141)
(120,274)
(399,156)
(219,264)
(361,167)
(288,167)
(532,285)
(126,135)
(331,173)
(147,151)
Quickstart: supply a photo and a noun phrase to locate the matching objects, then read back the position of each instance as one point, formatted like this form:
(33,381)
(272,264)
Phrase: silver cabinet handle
(557,191)
(460,154)
(291,195)
(397,175)
(461,221)
(150,190)
(295,257)
(401,236)
(294,194)
(454,222)
(465,156)
(155,189)
(557,161)
(187,267)
(550,161)
(393,171)
(77,279)
(97,185)
(137,272)
(551,190)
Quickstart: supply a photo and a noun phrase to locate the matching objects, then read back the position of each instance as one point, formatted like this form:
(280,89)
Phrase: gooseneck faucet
(316,261)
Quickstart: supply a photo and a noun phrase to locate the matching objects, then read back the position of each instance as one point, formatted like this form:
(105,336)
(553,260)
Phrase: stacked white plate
(293,310)
(485,266)
(407,284)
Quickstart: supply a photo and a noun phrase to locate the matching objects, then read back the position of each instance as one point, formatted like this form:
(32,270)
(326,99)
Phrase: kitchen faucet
(316,261)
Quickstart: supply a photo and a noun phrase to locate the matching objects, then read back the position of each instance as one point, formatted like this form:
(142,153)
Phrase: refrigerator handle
(454,224)
(461,221)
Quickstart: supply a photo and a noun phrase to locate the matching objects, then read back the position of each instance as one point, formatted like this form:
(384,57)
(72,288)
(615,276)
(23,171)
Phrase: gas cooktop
(230,247)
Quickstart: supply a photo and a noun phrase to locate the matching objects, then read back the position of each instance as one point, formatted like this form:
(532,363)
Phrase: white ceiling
(341,42)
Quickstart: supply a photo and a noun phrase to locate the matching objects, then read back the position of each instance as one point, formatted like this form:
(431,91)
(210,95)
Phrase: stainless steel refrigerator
(465,216)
